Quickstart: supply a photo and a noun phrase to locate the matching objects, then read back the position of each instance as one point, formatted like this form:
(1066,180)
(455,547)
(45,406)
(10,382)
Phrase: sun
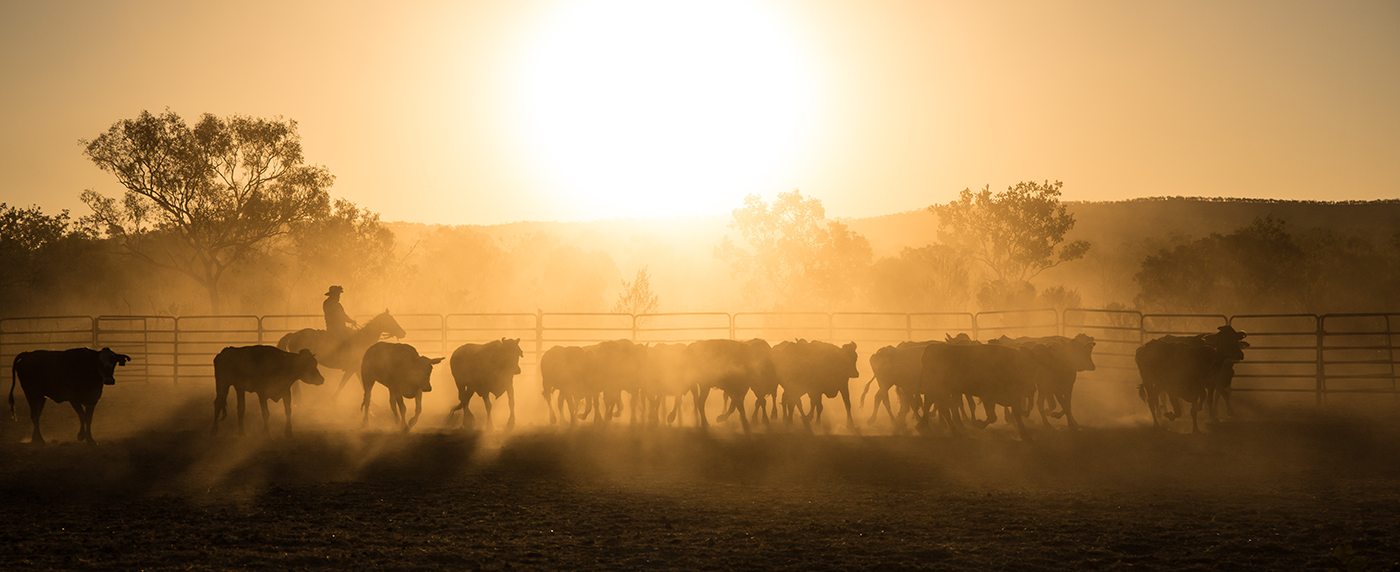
(646,108)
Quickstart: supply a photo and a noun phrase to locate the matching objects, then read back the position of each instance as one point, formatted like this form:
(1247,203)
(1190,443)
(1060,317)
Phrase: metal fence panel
(1358,353)
(684,327)
(19,335)
(1282,356)
(199,338)
(1017,323)
(1117,336)
(149,340)
(778,327)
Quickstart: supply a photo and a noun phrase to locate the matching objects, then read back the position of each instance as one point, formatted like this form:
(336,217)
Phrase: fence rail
(1325,356)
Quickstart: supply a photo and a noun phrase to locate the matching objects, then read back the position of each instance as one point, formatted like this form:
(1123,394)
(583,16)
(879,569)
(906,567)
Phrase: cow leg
(418,410)
(469,420)
(262,404)
(850,419)
(287,408)
(220,405)
(486,400)
(242,406)
(1176,408)
(1040,406)
(36,407)
(1195,407)
(510,400)
(1016,415)
(971,408)
(702,395)
(1065,406)
(82,421)
(991,411)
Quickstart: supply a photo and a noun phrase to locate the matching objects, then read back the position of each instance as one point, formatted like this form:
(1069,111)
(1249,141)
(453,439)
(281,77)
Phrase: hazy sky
(488,112)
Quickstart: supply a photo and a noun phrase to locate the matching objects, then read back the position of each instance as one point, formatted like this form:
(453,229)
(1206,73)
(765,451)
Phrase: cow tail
(12,392)
(867,390)
(1142,391)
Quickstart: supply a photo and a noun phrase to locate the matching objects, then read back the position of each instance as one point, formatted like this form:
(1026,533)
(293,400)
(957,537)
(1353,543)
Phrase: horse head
(385,324)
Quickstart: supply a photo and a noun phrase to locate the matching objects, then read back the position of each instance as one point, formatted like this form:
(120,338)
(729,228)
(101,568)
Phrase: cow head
(109,360)
(1081,353)
(306,368)
(1228,342)
(422,369)
(961,339)
(512,348)
(848,357)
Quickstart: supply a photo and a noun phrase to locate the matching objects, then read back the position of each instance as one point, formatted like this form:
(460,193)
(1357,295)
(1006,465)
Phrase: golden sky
(488,112)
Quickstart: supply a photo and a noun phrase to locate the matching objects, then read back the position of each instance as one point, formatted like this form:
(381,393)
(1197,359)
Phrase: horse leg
(345,378)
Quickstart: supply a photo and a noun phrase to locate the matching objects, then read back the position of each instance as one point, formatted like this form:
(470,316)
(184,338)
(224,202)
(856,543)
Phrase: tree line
(226,215)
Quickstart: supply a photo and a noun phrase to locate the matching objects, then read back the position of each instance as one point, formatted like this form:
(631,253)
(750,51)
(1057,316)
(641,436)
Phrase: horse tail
(867,390)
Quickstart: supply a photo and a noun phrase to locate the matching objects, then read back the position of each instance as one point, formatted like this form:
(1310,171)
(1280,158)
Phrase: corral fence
(1299,355)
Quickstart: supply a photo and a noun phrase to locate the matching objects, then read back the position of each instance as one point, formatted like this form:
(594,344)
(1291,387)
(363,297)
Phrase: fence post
(731,325)
(95,332)
(175,354)
(908,328)
(1321,363)
(634,327)
(975,334)
(831,329)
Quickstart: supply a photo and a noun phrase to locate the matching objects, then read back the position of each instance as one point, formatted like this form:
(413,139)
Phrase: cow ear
(435,361)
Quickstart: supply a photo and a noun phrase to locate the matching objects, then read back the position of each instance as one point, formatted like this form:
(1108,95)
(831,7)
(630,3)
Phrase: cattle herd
(930,378)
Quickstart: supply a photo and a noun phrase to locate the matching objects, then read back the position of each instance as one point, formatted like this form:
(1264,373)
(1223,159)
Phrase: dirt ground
(1276,489)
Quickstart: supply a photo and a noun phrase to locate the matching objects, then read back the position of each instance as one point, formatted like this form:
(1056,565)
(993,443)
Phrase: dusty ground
(1275,490)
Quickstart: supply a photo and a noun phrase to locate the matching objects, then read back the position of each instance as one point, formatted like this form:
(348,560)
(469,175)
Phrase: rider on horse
(336,318)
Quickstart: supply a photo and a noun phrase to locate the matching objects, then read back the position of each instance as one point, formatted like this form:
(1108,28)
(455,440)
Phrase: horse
(349,352)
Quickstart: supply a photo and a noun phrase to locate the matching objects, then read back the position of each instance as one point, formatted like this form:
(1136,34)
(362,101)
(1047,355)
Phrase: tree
(792,256)
(32,246)
(202,199)
(348,246)
(1014,233)
(1259,267)
(636,296)
(933,278)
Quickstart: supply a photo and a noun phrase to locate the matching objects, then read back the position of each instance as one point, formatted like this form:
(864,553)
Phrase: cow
(815,369)
(1057,361)
(1191,368)
(563,369)
(667,375)
(735,368)
(76,375)
(610,368)
(487,370)
(264,370)
(997,374)
(400,369)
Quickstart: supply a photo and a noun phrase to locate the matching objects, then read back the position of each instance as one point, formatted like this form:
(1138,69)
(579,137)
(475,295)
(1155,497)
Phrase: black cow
(815,369)
(1057,362)
(75,375)
(1192,368)
(264,370)
(563,370)
(998,375)
(487,370)
(667,375)
(735,368)
(400,369)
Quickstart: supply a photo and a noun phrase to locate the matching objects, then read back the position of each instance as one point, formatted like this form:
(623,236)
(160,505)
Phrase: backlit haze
(490,112)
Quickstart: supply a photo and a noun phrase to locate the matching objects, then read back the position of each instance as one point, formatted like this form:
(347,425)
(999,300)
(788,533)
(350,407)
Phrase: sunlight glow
(644,108)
